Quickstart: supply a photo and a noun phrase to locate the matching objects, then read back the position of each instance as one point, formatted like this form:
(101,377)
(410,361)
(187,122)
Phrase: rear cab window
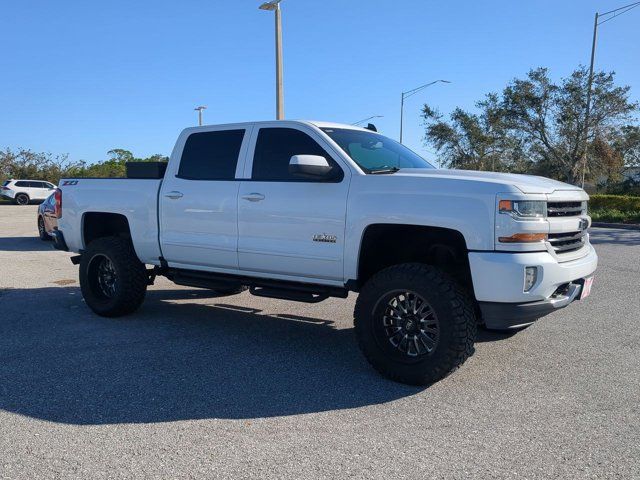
(211,155)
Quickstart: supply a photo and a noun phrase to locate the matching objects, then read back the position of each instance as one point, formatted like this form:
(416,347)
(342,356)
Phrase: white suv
(24,191)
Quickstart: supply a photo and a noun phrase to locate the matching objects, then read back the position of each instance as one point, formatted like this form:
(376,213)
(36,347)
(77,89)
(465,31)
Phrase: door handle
(173,195)
(253,197)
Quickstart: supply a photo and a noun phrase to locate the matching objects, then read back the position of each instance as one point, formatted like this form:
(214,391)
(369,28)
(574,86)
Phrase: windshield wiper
(376,171)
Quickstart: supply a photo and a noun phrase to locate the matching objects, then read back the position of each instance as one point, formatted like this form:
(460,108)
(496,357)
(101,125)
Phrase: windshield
(374,152)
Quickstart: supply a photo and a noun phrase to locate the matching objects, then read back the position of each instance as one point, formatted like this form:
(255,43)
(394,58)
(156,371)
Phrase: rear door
(23,186)
(287,225)
(198,200)
(40,190)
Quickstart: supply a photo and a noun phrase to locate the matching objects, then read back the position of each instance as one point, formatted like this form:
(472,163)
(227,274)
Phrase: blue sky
(84,77)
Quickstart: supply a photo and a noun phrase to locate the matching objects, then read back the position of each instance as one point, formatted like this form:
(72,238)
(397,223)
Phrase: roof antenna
(372,127)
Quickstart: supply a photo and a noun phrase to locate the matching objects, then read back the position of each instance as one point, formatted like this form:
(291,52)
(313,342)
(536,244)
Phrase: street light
(200,109)
(365,119)
(411,92)
(611,14)
(274,5)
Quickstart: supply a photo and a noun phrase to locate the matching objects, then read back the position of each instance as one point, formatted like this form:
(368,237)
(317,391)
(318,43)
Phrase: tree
(474,141)
(46,166)
(536,125)
(38,165)
(628,145)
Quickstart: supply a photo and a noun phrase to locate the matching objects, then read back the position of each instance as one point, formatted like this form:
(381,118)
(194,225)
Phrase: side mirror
(310,166)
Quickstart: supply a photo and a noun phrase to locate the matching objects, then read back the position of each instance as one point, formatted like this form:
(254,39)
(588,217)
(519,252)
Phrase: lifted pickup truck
(308,210)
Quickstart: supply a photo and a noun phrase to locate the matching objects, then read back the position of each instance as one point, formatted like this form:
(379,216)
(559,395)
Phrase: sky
(84,77)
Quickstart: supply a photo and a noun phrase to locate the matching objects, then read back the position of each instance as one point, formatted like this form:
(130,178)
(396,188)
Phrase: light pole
(611,14)
(365,119)
(200,109)
(411,92)
(274,5)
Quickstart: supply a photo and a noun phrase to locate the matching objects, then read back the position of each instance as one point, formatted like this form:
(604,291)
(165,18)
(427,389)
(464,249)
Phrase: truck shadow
(24,244)
(175,361)
(613,236)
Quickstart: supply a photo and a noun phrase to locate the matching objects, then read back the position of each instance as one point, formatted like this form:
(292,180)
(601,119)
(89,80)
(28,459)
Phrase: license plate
(586,288)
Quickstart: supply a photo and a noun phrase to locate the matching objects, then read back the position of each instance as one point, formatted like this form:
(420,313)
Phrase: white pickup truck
(308,210)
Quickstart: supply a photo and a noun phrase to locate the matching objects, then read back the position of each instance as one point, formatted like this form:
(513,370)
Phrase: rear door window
(211,155)
(23,184)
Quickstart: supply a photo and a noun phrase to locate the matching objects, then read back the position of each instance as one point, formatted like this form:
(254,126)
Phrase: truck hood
(524,183)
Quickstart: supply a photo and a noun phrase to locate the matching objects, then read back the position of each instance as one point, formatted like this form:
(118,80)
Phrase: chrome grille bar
(564,209)
(567,242)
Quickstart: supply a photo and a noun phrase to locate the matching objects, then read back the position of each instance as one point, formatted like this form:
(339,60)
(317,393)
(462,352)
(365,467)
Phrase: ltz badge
(323,237)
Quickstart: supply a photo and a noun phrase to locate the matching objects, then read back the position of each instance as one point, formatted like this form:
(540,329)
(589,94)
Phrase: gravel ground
(198,386)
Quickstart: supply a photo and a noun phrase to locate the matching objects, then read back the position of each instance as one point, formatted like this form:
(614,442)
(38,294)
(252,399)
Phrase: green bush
(624,203)
(615,208)
(611,215)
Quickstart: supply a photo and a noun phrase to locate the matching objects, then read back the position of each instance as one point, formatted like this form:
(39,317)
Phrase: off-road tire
(130,283)
(21,199)
(456,323)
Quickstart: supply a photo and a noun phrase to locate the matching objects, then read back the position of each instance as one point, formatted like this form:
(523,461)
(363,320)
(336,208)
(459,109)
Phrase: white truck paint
(312,232)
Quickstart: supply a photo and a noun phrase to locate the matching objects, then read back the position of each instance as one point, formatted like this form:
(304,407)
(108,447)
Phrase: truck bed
(135,199)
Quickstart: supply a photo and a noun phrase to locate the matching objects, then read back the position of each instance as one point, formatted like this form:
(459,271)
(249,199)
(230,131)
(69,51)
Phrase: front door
(199,201)
(289,225)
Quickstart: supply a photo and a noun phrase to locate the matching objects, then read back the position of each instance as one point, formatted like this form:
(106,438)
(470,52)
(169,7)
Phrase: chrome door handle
(253,197)
(173,195)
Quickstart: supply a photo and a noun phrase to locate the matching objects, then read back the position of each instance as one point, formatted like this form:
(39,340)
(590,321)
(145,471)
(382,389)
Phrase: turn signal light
(524,238)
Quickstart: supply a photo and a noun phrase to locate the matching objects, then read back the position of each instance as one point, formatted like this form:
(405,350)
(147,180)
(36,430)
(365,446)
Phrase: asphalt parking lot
(198,386)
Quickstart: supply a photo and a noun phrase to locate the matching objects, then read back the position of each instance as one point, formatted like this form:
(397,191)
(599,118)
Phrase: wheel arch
(104,224)
(385,244)
(15,197)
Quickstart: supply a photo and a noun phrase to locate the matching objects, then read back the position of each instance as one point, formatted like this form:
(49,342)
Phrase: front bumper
(498,280)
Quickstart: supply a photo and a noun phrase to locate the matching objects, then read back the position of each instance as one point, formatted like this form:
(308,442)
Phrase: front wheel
(414,324)
(112,279)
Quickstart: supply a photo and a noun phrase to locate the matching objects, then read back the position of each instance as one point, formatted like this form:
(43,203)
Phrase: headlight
(524,208)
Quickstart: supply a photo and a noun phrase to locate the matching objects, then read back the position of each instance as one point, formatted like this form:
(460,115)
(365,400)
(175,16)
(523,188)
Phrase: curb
(624,226)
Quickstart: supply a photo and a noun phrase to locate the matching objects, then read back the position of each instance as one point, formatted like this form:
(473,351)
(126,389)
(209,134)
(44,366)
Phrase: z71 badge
(323,237)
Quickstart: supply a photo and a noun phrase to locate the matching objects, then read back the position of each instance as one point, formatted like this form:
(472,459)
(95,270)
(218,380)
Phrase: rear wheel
(112,279)
(21,199)
(42,232)
(414,324)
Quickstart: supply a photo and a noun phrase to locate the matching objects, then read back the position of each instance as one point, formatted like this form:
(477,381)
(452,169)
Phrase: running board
(260,287)
(288,294)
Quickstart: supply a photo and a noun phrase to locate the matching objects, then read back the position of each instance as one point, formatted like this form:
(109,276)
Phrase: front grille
(564,209)
(567,242)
